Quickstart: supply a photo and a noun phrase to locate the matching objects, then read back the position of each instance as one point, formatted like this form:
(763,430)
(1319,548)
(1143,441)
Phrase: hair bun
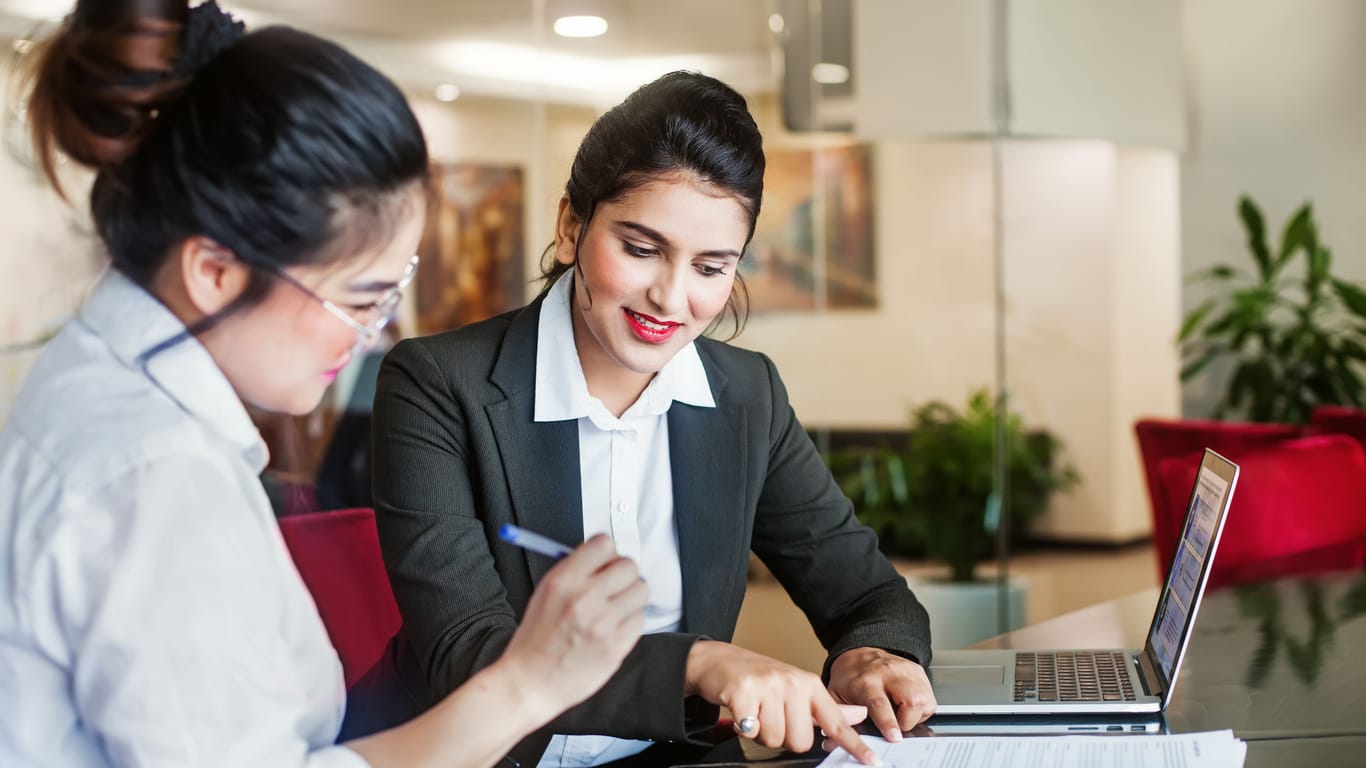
(209,30)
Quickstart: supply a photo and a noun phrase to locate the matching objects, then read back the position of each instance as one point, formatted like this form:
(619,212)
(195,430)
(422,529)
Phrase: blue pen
(533,541)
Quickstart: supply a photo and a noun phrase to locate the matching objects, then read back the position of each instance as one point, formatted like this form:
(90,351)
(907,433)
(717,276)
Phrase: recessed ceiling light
(447,92)
(776,23)
(827,73)
(580,26)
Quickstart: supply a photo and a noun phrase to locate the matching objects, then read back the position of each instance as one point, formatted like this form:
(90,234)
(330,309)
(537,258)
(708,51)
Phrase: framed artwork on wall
(813,243)
(472,247)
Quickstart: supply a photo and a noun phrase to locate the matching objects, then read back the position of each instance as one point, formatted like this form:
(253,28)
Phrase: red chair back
(1294,498)
(1160,439)
(1339,420)
(338,556)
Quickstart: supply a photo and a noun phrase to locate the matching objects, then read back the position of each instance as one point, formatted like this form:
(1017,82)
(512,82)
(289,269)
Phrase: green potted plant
(1292,332)
(936,494)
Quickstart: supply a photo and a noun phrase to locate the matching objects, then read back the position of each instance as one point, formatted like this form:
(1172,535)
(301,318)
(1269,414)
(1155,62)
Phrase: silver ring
(746,726)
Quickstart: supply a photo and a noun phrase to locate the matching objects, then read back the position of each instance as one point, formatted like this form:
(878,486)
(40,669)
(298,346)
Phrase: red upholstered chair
(1339,420)
(338,555)
(1343,556)
(1160,439)
(1293,500)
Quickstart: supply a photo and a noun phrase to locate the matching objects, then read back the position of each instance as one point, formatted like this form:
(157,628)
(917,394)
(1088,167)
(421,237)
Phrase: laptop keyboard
(1073,676)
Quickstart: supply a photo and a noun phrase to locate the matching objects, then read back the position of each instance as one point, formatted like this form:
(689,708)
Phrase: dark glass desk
(1282,663)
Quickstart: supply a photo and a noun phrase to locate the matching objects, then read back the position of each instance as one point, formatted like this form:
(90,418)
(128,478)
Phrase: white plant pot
(965,613)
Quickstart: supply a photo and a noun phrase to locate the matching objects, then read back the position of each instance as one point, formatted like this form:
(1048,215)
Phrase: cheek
(313,333)
(328,335)
(709,299)
(609,273)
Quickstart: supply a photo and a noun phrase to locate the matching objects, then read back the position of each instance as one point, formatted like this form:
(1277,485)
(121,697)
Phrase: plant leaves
(1352,296)
(1255,226)
(1319,261)
(1222,325)
(1189,370)
(1194,319)
(1216,272)
(1351,349)
(1299,233)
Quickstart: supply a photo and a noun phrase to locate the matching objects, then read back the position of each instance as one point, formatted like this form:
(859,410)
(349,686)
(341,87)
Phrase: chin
(296,403)
(647,362)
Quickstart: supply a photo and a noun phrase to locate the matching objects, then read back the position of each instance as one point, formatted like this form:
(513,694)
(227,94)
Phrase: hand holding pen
(585,615)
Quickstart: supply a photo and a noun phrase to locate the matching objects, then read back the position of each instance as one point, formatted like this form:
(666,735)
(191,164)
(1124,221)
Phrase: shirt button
(621,507)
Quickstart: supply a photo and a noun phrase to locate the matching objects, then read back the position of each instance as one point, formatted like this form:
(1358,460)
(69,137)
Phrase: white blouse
(626,478)
(150,614)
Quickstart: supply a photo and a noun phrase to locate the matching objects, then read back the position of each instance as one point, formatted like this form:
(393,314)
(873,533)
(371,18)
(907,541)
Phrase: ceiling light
(447,92)
(827,73)
(580,26)
(776,23)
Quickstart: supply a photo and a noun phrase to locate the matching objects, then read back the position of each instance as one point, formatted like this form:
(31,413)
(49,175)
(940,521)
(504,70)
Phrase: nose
(668,293)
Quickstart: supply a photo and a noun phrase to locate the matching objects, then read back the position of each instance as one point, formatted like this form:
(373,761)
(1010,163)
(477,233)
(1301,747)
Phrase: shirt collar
(131,322)
(562,392)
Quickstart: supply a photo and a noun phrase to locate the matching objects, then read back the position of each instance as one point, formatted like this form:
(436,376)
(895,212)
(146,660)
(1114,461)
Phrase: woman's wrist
(526,699)
(701,657)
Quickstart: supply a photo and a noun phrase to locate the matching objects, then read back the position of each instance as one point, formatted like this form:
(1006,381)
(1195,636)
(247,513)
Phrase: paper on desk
(1213,749)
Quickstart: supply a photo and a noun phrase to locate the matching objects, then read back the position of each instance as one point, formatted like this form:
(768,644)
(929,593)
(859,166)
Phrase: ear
(213,276)
(567,226)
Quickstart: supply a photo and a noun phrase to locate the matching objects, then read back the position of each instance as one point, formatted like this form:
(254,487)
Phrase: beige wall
(541,139)
(931,334)
(1277,111)
(1091,278)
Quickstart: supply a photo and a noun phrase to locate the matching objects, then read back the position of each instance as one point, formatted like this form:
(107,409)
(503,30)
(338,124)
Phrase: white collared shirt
(149,611)
(626,479)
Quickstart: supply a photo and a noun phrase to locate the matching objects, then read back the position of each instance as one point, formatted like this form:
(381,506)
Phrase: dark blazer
(457,454)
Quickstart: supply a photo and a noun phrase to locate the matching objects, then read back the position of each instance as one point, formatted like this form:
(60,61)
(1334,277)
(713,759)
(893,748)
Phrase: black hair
(682,123)
(278,145)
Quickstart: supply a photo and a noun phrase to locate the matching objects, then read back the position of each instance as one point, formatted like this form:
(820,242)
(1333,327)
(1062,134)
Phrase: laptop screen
(1190,567)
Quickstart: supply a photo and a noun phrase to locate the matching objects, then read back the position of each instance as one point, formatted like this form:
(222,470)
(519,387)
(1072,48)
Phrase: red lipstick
(649,329)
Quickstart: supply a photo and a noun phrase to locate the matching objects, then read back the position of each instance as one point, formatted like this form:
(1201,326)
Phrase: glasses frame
(385,307)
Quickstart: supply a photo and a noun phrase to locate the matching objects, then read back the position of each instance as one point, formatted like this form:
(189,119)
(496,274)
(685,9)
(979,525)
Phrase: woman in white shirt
(260,197)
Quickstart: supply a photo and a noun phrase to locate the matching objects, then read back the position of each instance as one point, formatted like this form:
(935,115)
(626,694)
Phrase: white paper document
(1214,749)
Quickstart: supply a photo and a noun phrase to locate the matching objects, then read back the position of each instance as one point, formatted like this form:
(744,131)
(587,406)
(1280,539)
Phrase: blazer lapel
(707,453)
(540,459)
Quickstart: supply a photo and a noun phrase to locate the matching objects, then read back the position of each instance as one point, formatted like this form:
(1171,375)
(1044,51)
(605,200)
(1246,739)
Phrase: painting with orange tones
(472,248)
(813,243)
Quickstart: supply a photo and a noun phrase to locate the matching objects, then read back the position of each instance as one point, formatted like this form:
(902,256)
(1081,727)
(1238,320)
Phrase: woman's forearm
(474,726)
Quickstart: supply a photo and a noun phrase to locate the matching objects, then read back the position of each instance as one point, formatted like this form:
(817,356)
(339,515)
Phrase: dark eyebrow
(371,286)
(659,238)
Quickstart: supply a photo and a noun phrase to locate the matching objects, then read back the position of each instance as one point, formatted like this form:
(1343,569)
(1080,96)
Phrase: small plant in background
(937,496)
(1294,334)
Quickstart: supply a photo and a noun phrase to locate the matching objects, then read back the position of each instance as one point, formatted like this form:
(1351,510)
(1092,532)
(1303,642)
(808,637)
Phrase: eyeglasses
(373,317)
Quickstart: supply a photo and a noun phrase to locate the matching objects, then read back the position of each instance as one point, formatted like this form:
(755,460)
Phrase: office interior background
(1004,196)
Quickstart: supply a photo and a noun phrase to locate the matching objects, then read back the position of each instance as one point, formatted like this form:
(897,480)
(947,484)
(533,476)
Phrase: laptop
(1104,681)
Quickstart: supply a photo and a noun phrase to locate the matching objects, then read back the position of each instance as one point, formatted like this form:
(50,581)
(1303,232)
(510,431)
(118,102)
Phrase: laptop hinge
(1147,675)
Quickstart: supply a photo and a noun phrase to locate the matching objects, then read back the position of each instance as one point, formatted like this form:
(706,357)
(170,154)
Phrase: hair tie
(209,30)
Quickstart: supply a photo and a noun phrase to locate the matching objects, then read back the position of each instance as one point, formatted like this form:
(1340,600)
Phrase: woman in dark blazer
(686,449)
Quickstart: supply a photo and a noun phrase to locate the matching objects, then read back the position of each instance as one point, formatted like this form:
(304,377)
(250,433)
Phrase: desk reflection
(1279,662)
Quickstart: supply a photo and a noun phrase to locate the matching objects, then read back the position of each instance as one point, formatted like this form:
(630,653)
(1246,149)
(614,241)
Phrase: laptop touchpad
(975,674)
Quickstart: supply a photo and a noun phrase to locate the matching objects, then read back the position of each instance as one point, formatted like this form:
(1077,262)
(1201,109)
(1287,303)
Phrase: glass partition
(911,286)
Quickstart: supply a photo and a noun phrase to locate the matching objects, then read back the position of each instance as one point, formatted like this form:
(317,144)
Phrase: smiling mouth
(651,323)
(649,329)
